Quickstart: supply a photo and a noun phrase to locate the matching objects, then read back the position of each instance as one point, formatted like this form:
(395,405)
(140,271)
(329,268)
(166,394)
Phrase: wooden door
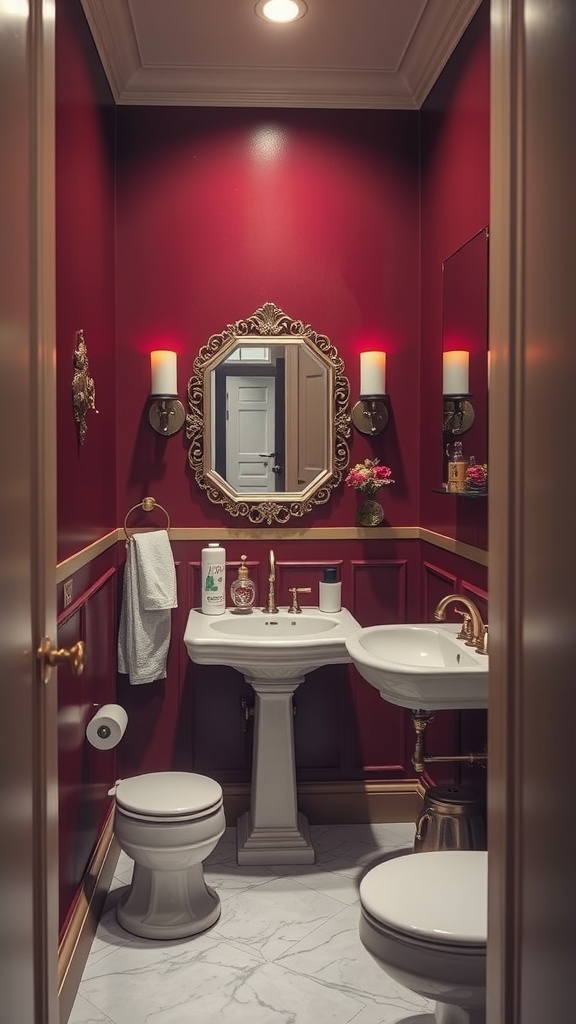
(28,765)
(532,698)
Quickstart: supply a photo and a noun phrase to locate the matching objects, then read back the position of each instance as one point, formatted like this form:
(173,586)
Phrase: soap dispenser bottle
(242,589)
(330,592)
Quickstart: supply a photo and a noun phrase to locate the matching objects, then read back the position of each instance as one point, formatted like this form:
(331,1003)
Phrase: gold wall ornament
(83,389)
(289,352)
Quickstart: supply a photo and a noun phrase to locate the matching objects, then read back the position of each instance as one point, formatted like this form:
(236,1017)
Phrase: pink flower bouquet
(476,476)
(369,476)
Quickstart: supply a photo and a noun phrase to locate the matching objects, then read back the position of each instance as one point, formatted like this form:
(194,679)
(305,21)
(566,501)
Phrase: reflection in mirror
(268,417)
(465,328)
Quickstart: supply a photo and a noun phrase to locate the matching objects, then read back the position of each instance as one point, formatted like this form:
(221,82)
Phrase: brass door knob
(74,656)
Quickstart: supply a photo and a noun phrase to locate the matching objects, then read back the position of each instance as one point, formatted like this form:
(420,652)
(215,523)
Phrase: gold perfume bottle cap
(242,568)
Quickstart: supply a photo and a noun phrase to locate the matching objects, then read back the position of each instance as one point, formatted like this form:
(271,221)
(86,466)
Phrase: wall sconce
(166,413)
(370,413)
(458,412)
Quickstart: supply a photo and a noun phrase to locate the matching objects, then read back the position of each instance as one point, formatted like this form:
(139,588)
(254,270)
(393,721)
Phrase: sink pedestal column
(273,831)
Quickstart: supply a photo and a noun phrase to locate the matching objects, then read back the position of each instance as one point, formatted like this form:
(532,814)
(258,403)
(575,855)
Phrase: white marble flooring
(284,951)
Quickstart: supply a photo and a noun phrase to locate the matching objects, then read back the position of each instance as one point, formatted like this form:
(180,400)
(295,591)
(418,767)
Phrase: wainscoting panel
(85,773)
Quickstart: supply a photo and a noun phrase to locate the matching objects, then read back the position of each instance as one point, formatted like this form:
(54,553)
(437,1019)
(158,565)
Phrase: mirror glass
(465,327)
(268,417)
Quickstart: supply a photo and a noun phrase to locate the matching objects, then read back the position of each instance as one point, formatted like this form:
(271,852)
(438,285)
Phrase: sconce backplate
(166,416)
(458,416)
(369,415)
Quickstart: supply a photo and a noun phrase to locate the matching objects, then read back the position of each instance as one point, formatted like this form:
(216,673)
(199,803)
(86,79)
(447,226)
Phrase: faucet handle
(295,608)
(482,645)
(466,630)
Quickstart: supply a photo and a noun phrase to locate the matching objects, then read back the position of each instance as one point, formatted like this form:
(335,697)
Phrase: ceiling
(377,54)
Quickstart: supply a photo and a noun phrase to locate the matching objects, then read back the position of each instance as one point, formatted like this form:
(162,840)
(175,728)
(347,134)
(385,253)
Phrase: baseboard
(341,803)
(81,928)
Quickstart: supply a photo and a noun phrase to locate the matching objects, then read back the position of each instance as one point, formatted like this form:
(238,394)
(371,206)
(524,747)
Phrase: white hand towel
(149,592)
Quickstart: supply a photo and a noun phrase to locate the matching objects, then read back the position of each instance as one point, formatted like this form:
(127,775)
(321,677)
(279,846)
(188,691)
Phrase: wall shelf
(460,494)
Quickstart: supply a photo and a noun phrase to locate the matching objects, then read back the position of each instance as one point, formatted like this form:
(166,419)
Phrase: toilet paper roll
(107,728)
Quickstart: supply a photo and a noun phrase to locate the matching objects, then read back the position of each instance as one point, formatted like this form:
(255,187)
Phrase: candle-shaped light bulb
(455,373)
(164,373)
(372,373)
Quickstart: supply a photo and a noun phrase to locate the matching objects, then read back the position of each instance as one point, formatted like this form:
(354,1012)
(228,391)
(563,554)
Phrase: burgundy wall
(455,167)
(85,118)
(222,210)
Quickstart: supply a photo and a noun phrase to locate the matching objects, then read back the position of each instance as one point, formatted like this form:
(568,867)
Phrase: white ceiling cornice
(424,41)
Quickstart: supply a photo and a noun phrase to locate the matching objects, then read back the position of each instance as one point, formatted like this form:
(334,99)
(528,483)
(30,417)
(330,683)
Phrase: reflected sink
(263,646)
(421,666)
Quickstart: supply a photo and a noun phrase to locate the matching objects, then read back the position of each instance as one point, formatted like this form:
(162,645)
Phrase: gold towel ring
(147,504)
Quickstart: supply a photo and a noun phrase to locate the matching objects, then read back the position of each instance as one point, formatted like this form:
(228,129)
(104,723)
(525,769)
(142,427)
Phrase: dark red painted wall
(455,167)
(222,210)
(85,297)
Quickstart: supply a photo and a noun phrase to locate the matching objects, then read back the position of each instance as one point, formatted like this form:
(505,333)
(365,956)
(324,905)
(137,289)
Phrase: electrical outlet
(68,592)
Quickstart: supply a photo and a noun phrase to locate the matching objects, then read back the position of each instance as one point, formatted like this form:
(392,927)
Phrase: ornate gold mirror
(268,418)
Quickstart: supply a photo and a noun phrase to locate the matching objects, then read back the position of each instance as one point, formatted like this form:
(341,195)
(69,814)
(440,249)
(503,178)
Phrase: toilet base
(168,904)
(445,1013)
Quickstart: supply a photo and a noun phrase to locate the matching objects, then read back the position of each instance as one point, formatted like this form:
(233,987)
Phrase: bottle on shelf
(457,466)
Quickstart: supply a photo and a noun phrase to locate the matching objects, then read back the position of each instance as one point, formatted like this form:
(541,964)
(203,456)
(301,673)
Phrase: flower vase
(370,513)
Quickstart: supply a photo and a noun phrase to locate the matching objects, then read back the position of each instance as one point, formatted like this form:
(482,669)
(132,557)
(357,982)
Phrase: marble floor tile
(333,954)
(285,950)
(274,916)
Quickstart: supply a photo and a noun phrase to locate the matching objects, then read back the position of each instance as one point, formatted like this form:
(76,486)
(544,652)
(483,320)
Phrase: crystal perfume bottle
(242,589)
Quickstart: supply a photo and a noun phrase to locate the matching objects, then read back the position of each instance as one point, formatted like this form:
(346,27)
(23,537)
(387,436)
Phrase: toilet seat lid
(168,794)
(439,895)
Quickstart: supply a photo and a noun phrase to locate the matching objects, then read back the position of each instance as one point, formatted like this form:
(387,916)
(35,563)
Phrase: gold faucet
(270,607)
(478,633)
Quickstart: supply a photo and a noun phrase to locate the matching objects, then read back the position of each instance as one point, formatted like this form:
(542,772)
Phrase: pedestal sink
(421,666)
(274,653)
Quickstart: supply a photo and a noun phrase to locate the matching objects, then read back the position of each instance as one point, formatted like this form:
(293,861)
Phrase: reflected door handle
(267,455)
(50,656)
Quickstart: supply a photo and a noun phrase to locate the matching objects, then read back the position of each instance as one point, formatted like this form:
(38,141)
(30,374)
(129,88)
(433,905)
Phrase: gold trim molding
(75,562)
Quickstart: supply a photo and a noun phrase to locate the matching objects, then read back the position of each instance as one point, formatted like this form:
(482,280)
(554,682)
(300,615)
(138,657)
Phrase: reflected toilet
(424,920)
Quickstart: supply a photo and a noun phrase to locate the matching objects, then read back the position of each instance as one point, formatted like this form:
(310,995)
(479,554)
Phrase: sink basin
(421,666)
(266,646)
(271,628)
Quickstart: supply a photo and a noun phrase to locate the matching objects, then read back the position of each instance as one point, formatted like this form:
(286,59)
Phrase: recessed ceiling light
(281,10)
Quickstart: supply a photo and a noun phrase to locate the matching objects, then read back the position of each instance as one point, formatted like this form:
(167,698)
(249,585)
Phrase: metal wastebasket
(452,818)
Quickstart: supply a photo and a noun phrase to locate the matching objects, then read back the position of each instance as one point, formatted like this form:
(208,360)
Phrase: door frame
(29,857)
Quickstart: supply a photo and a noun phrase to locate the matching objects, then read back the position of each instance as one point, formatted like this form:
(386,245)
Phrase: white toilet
(424,920)
(168,822)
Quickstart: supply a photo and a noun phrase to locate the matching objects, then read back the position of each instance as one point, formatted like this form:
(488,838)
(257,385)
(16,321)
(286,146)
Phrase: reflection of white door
(250,437)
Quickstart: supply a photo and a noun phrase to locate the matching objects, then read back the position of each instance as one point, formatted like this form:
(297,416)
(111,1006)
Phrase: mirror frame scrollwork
(267,324)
